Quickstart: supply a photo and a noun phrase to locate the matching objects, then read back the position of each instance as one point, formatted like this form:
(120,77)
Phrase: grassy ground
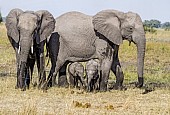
(72,101)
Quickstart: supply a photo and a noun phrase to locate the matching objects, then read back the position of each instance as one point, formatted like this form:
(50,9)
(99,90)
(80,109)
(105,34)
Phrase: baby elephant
(76,74)
(92,74)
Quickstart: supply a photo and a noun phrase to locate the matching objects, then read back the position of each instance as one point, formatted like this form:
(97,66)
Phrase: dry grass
(72,101)
(160,33)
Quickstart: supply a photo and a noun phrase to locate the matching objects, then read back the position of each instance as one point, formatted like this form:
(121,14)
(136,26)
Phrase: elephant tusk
(32,50)
(19,49)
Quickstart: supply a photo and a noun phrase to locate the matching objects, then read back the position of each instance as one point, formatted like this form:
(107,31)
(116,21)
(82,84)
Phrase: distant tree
(166,26)
(148,26)
(155,23)
(147,23)
(0,18)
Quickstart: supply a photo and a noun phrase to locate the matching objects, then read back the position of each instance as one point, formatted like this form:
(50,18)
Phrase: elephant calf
(76,74)
(92,74)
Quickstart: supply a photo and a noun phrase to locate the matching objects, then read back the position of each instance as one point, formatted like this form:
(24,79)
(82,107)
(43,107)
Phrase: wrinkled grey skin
(92,74)
(76,74)
(27,32)
(82,37)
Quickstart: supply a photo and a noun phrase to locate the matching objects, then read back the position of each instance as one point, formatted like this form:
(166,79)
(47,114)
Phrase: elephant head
(117,26)
(24,28)
(92,74)
(79,71)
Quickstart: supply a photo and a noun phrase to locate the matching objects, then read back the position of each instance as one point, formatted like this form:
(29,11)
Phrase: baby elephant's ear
(108,23)
(11,24)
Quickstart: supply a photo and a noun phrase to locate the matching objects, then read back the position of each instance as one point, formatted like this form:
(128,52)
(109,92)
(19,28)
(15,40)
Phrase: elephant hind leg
(117,70)
(62,78)
(51,80)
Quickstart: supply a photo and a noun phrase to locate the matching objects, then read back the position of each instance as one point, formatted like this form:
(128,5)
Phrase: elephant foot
(88,90)
(23,89)
(62,81)
(28,87)
(103,88)
(139,84)
(16,87)
(136,85)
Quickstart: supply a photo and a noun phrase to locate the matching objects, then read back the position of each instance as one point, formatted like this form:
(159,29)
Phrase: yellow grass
(62,101)
(160,33)
(70,101)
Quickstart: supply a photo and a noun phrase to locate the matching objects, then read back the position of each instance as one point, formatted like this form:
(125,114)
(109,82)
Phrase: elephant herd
(72,38)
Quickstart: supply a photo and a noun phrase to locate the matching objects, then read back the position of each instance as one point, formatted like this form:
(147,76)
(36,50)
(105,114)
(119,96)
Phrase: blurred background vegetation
(0,17)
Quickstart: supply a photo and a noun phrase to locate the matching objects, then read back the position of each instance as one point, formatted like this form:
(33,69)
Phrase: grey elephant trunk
(25,45)
(141,44)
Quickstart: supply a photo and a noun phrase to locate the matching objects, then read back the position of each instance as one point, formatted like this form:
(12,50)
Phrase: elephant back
(74,23)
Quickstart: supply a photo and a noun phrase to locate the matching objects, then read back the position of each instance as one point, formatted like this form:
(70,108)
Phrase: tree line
(150,25)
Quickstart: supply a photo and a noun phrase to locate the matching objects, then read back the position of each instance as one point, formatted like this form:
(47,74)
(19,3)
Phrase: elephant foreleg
(116,66)
(27,78)
(76,81)
(31,62)
(71,80)
(18,68)
(42,76)
(22,76)
(89,88)
(41,64)
(82,82)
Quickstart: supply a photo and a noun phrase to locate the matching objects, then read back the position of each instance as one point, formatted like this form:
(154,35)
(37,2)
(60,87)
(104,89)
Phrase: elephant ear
(11,24)
(46,24)
(108,23)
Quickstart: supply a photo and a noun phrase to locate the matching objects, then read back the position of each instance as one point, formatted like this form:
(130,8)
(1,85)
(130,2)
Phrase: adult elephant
(81,37)
(27,32)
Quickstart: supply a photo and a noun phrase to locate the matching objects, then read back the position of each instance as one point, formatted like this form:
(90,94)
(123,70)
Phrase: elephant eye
(130,29)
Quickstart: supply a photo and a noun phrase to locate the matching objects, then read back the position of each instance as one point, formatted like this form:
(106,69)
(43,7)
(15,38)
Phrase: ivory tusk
(19,49)
(32,50)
